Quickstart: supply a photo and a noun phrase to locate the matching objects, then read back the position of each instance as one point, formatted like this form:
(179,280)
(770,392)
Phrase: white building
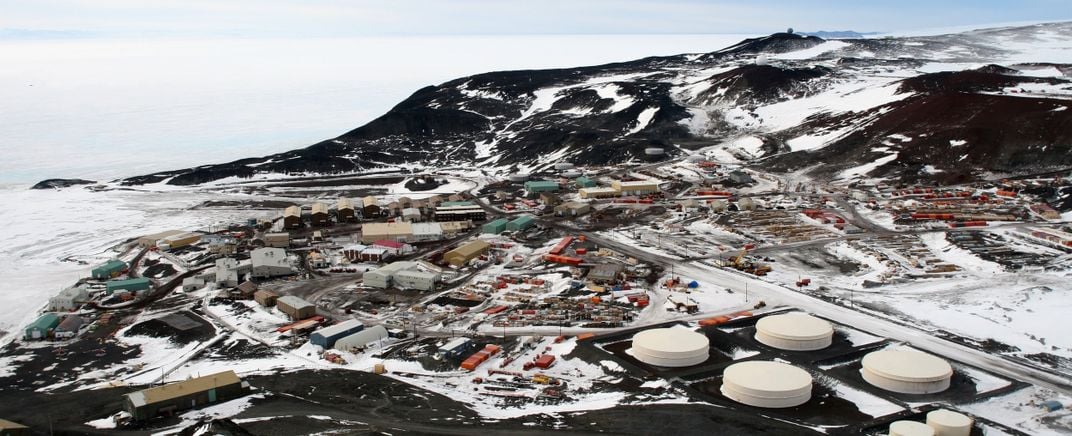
(68,299)
(413,279)
(227,271)
(411,214)
(370,337)
(382,277)
(192,284)
(270,262)
(427,232)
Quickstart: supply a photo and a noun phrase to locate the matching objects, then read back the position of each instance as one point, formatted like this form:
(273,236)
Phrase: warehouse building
(538,186)
(638,187)
(521,223)
(794,332)
(192,284)
(466,253)
(670,347)
(319,216)
(277,240)
(394,248)
(42,326)
(383,277)
(585,182)
(906,371)
(344,210)
(550,199)
(292,217)
(68,328)
(188,394)
(269,262)
(68,299)
(9,428)
(495,227)
(148,241)
(296,308)
(457,348)
(414,279)
(411,214)
(178,241)
(605,273)
(110,269)
(229,271)
(265,298)
(139,284)
(460,213)
(424,232)
(572,208)
(766,384)
(593,193)
(370,207)
(363,339)
(452,228)
(400,231)
(327,336)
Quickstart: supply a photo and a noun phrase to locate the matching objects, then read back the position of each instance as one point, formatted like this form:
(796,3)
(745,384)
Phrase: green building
(495,227)
(110,269)
(521,223)
(457,203)
(585,182)
(41,326)
(537,186)
(135,285)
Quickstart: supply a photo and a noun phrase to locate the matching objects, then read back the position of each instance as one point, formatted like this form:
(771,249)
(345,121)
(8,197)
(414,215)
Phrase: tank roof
(907,365)
(795,326)
(671,340)
(767,376)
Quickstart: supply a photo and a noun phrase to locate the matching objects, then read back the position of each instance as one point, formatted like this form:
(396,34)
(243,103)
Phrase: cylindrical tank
(794,332)
(906,371)
(654,151)
(949,423)
(519,177)
(570,174)
(719,206)
(563,166)
(670,347)
(746,203)
(762,60)
(766,384)
(695,158)
(910,428)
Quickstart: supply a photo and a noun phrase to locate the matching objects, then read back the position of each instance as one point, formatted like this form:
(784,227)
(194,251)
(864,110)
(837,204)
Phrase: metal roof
(183,388)
(320,208)
(294,302)
(292,211)
(341,327)
(469,249)
(345,203)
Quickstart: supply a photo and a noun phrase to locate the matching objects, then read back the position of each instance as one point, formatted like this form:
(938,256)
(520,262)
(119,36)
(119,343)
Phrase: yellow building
(466,253)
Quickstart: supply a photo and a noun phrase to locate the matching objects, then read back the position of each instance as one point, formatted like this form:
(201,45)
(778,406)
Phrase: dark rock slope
(781,89)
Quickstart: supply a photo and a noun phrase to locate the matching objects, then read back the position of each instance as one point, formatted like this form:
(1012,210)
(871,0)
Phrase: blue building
(327,336)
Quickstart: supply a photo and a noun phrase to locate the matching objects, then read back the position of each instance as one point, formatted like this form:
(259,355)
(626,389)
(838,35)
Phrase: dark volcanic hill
(906,108)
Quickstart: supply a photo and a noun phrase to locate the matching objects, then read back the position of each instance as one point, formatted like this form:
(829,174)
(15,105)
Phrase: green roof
(496,226)
(128,284)
(44,322)
(521,222)
(541,185)
(109,267)
(585,182)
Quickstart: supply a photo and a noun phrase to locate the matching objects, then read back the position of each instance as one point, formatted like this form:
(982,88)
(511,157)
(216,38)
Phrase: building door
(212,395)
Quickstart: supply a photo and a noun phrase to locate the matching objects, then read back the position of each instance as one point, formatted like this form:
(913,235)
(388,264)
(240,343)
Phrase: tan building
(597,192)
(572,208)
(640,187)
(277,240)
(372,232)
(292,217)
(466,253)
(178,241)
(151,240)
(320,217)
(9,428)
(370,207)
(451,228)
(345,210)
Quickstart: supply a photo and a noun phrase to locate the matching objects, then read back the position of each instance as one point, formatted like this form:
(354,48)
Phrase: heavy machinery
(743,263)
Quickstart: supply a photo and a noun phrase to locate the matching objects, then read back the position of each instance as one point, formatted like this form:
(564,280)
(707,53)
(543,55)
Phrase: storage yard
(577,292)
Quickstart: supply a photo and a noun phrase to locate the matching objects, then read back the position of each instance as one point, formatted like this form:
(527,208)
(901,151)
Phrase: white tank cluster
(906,371)
(654,151)
(563,166)
(670,347)
(794,332)
(910,428)
(949,423)
(766,384)
(940,422)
